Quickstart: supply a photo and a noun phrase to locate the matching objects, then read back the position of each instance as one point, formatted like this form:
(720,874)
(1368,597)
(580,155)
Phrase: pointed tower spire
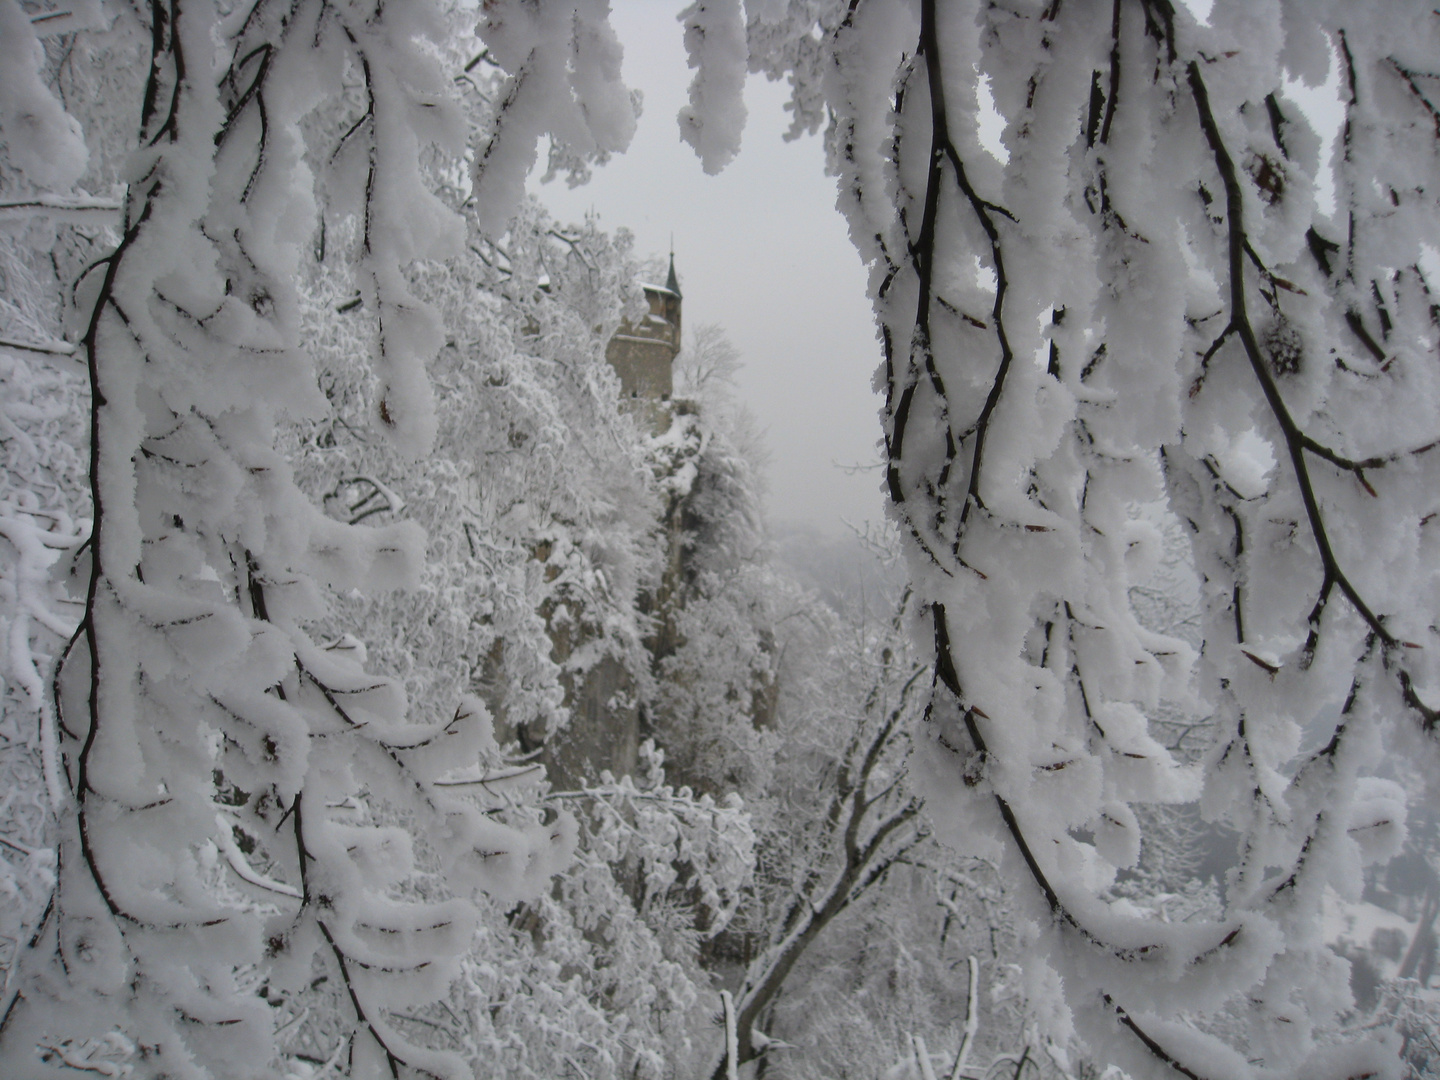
(671,281)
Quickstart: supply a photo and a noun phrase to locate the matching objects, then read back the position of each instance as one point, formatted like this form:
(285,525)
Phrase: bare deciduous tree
(708,364)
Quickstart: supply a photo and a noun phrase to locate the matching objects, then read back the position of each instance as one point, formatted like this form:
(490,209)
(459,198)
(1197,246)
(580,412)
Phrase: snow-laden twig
(731,1063)
(31,592)
(225,840)
(70,209)
(922,1057)
(972,1019)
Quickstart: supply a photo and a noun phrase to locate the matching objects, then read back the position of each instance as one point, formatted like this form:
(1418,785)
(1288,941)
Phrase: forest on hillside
(387,694)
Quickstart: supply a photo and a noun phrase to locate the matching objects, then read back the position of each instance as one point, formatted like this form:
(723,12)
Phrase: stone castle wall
(643,354)
(606,725)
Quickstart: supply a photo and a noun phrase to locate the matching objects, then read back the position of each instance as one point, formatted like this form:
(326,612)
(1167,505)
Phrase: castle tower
(643,354)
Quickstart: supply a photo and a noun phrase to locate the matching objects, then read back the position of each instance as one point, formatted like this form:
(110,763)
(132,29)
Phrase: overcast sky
(760,250)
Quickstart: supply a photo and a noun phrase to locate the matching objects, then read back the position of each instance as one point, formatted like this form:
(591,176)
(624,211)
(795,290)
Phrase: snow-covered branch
(1151,238)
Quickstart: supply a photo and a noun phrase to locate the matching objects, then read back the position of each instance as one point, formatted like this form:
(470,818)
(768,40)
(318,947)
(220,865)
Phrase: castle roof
(672,282)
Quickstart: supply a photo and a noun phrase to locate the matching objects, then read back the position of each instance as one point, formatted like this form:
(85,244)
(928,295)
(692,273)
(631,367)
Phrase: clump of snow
(715,118)
(44,141)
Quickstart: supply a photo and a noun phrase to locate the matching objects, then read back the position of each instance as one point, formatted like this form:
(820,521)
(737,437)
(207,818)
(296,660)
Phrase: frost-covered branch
(193,680)
(1160,254)
(1297,443)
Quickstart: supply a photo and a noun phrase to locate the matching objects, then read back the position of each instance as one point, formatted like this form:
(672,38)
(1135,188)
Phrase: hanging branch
(921,354)
(1298,443)
(946,676)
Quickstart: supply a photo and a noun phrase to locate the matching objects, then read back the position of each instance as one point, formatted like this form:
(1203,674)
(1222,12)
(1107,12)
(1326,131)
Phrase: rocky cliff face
(609,697)
(614,698)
